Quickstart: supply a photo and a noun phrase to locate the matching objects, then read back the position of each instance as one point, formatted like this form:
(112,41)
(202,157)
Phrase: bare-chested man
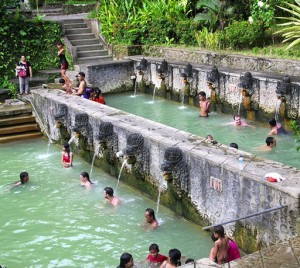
(204,104)
(150,218)
(219,253)
(109,196)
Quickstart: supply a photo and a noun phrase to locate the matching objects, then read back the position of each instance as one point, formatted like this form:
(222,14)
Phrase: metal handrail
(242,218)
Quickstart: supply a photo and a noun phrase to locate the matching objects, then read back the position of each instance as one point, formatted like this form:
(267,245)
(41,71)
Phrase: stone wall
(214,184)
(111,76)
(231,61)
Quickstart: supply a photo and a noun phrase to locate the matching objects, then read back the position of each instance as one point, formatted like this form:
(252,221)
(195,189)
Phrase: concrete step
(17,120)
(89,47)
(94,59)
(28,135)
(81,36)
(19,129)
(73,21)
(15,110)
(75,26)
(75,31)
(92,41)
(93,53)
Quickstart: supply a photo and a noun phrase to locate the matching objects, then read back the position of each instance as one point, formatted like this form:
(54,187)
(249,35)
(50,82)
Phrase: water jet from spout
(122,167)
(278,103)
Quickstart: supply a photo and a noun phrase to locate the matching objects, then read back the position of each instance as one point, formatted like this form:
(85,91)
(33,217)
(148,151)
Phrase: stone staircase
(89,48)
(17,122)
(49,10)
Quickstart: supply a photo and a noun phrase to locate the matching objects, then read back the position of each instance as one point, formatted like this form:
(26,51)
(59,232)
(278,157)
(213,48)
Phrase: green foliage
(34,39)
(207,40)
(291,28)
(6,84)
(144,22)
(36,3)
(296,129)
(244,34)
(214,13)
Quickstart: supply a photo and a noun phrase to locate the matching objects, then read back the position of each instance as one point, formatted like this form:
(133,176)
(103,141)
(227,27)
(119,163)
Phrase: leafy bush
(36,3)
(242,34)
(34,39)
(206,39)
(145,22)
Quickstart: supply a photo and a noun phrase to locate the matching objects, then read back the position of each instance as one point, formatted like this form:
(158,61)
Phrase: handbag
(22,73)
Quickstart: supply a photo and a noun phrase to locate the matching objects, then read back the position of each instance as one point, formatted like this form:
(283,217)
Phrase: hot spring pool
(53,222)
(218,125)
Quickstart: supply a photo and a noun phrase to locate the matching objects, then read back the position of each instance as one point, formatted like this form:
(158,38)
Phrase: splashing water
(92,165)
(240,104)
(153,94)
(278,102)
(122,167)
(158,197)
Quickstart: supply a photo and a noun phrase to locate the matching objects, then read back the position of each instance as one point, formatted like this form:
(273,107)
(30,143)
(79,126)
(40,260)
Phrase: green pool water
(218,125)
(53,222)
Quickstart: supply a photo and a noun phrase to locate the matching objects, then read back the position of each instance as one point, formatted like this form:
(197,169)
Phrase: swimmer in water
(204,104)
(109,196)
(85,180)
(24,177)
(66,156)
(150,218)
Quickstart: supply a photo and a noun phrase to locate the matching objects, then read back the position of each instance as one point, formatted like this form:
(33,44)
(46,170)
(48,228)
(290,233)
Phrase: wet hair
(189,261)
(150,212)
(175,255)
(202,93)
(62,81)
(154,247)
(97,92)
(86,175)
(234,145)
(269,140)
(209,137)
(109,191)
(67,147)
(272,122)
(219,230)
(236,115)
(213,238)
(124,259)
(23,175)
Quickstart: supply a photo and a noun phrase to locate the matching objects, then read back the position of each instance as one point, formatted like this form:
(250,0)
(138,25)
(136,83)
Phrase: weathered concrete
(232,61)
(226,94)
(236,194)
(111,76)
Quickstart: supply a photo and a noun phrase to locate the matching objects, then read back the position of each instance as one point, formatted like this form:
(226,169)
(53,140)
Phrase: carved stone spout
(61,116)
(175,169)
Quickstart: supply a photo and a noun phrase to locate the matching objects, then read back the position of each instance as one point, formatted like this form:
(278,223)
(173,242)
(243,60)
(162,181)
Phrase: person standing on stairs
(24,71)
(64,65)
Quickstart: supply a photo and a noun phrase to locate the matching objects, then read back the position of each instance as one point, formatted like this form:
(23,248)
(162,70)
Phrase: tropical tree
(291,28)
(214,13)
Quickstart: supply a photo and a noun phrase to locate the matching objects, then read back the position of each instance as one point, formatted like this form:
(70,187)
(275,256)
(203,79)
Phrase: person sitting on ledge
(109,196)
(277,129)
(150,218)
(81,89)
(97,96)
(65,86)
